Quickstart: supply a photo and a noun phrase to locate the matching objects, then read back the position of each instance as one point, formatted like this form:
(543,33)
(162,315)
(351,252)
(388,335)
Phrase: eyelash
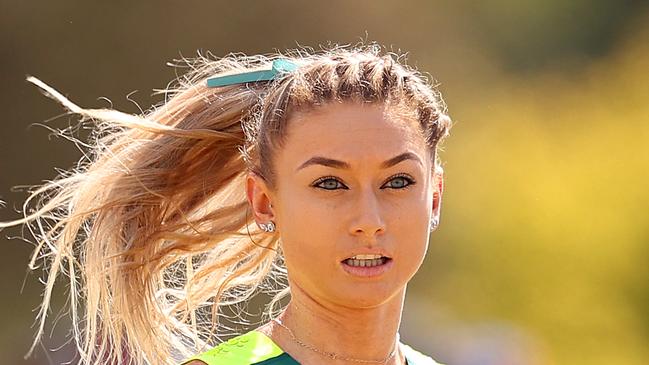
(406,177)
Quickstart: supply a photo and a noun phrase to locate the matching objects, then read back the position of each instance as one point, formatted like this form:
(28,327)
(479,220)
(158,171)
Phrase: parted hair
(152,227)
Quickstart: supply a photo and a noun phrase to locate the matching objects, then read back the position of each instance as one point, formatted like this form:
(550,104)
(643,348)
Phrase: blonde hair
(152,226)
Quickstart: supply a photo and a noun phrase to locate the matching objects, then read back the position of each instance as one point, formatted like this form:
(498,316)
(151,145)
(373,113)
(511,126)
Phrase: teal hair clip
(278,67)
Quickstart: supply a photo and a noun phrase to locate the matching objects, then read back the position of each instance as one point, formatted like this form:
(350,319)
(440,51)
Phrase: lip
(367,271)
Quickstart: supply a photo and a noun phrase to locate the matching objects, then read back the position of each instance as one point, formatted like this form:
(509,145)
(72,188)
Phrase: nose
(368,220)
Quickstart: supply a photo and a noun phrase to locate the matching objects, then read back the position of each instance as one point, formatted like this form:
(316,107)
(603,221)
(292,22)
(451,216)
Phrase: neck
(358,333)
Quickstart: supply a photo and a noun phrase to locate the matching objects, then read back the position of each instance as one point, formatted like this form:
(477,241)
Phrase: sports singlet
(255,348)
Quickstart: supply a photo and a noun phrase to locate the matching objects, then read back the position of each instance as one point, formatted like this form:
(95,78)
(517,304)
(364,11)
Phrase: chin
(365,299)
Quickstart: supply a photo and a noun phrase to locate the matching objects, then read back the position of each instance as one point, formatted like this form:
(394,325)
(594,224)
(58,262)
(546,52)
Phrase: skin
(368,208)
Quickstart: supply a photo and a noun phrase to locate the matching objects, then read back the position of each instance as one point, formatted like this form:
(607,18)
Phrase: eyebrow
(337,164)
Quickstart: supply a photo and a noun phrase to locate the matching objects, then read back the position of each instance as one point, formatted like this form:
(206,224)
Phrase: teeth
(367,257)
(365,263)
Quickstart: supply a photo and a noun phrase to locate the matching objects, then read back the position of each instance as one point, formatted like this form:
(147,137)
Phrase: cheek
(308,230)
(304,214)
(309,253)
(410,230)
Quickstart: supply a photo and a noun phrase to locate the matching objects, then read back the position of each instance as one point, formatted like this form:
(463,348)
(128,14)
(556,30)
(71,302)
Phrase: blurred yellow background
(543,249)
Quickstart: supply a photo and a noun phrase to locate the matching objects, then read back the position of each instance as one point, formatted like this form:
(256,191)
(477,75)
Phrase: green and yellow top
(255,348)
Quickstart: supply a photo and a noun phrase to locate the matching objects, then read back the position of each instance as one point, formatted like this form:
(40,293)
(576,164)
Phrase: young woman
(332,154)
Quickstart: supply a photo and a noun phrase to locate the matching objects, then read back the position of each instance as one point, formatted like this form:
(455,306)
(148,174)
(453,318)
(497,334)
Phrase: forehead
(361,134)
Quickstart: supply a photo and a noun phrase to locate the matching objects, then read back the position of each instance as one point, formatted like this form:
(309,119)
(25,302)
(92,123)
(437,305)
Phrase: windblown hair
(152,227)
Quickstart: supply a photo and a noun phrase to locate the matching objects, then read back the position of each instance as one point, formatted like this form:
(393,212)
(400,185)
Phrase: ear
(259,199)
(438,184)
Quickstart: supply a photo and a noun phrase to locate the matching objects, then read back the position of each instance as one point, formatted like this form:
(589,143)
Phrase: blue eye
(330,183)
(406,181)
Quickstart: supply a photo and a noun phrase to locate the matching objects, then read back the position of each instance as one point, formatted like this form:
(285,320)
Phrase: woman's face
(327,211)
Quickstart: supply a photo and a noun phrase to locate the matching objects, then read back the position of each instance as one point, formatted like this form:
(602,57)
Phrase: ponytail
(152,226)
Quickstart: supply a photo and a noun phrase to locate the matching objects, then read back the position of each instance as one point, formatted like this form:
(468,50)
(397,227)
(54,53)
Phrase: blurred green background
(543,249)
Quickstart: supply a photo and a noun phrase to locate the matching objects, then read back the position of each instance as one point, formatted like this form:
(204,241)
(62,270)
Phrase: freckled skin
(367,208)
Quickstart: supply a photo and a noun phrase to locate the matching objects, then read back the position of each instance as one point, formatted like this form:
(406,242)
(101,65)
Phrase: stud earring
(270,227)
(433,224)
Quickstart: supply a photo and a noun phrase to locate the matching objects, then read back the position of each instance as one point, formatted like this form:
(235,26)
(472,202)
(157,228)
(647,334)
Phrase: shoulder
(247,349)
(415,357)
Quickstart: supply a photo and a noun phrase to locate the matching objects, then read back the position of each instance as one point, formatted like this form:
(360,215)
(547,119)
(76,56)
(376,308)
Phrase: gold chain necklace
(335,356)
